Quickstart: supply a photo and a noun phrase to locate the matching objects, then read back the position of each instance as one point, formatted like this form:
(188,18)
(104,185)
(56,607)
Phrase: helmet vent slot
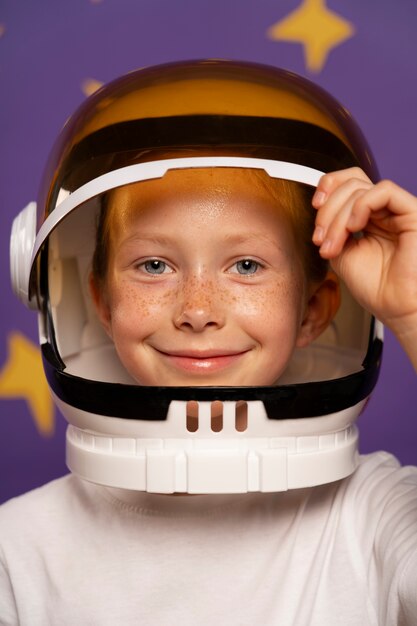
(241,416)
(192,416)
(216,416)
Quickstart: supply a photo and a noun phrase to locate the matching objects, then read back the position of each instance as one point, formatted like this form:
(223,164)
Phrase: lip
(203,362)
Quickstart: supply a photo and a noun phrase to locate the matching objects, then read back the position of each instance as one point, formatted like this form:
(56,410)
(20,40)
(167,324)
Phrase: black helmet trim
(302,400)
(128,142)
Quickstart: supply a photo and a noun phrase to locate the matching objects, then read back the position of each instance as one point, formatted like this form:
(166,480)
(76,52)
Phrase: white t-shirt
(73,553)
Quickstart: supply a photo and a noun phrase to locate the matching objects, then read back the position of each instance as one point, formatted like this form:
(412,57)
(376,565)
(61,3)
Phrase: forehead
(217,193)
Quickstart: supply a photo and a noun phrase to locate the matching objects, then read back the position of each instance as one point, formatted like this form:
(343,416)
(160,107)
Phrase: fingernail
(318,234)
(318,198)
(326,245)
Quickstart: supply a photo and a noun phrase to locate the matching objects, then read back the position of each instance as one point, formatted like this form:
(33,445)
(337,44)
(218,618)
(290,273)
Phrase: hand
(379,266)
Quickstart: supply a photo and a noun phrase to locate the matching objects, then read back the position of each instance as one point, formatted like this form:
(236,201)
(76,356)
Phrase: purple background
(49,47)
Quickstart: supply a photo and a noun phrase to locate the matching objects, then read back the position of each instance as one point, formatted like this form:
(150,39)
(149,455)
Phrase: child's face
(204,285)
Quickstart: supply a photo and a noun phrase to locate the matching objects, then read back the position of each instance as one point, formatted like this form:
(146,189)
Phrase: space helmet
(211,113)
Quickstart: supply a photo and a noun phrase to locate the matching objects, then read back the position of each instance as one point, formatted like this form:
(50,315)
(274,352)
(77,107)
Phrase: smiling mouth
(202,362)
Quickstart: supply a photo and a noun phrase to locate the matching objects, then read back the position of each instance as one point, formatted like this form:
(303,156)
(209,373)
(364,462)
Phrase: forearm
(406,333)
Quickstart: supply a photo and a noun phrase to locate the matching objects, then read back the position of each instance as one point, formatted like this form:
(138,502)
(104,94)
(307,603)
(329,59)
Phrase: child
(197,276)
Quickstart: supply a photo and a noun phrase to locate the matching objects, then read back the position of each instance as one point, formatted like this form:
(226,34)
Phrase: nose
(199,307)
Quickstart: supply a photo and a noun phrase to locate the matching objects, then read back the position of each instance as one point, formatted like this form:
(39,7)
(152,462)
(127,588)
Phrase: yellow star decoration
(22,376)
(316,27)
(90,85)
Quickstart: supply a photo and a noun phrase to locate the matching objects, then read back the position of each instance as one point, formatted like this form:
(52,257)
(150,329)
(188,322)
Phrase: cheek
(127,304)
(133,310)
(267,309)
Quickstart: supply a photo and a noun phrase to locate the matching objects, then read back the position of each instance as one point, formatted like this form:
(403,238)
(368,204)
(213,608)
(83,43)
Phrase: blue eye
(155,266)
(247,266)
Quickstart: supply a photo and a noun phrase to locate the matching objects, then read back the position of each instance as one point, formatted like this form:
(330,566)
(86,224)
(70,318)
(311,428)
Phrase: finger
(384,208)
(334,204)
(363,210)
(389,196)
(331,181)
(387,206)
(339,229)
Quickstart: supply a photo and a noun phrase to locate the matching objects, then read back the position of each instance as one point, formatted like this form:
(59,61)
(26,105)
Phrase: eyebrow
(230,239)
(236,238)
(151,238)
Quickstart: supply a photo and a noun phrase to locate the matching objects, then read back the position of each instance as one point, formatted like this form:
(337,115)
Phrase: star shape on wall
(316,27)
(22,376)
